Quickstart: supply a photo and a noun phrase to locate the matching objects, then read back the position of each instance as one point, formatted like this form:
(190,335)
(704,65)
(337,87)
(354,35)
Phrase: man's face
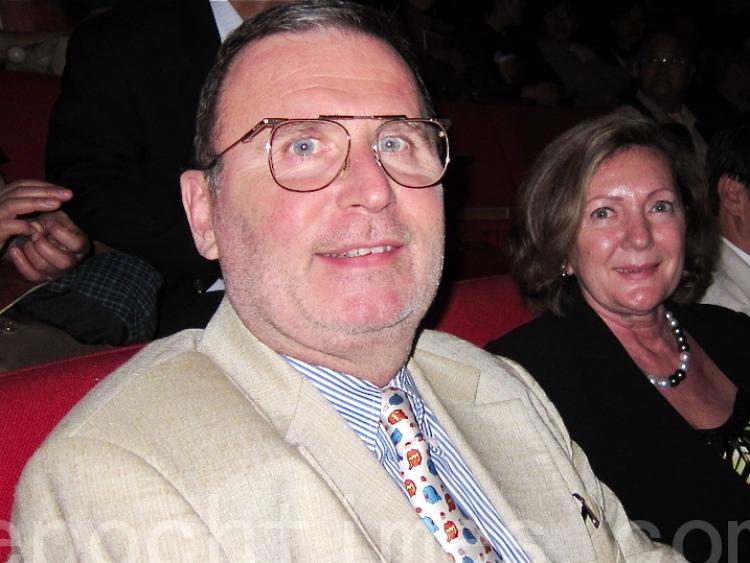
(332,270)
(664,70)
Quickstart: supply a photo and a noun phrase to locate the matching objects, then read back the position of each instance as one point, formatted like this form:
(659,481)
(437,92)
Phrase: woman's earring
(564,269)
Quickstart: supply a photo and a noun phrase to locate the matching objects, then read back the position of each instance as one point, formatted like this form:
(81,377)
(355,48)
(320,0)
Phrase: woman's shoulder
(711,319)
(541,345)
(723,334)
(527,335)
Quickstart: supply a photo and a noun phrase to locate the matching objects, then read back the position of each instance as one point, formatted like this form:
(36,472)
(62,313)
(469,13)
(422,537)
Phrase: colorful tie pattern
(456,532)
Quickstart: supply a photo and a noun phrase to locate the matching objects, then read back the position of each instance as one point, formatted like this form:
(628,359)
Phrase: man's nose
(364,183)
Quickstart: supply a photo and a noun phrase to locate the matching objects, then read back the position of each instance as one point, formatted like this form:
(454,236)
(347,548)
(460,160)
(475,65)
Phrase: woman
(613,246)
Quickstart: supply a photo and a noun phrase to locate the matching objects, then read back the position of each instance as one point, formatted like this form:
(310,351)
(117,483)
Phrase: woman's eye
(663,207)
(601,213)
(304,147)
(391,144)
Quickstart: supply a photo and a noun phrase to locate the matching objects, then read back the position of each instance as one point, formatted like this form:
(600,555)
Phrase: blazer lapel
(364,487)
(508,456)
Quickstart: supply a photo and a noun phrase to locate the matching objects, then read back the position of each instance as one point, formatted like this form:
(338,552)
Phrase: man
(121,134)
(259,438)
(728,168)
(91,300)
(664,70)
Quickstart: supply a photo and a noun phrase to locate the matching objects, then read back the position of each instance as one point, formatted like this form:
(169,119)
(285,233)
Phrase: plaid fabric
(124,284)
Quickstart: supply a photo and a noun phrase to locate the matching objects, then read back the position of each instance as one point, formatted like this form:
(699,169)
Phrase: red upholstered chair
(26,100)
(34,399)
(480,310)
(32,402)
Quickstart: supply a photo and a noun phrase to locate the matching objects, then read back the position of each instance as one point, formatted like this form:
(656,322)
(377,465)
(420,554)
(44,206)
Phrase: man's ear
(198,202)
(733,196)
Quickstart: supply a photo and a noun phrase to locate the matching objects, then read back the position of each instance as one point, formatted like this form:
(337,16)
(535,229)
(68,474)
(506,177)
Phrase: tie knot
(395,408)
(398,419)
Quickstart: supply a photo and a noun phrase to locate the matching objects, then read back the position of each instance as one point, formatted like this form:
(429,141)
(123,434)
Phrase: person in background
(724,98)
(502,58)
(664,70)
(614,245)
(728,170)
(81,300)
(587,80)
(308,421)
(121,133)
(627,23)
(436,46)
(35,235)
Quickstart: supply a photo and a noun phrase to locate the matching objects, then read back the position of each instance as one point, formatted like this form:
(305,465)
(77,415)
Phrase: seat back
(32,402)
(479,310)
(26,100)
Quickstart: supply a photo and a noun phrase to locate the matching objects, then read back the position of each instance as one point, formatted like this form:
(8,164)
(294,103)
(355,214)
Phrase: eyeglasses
(307,155)
(671,61)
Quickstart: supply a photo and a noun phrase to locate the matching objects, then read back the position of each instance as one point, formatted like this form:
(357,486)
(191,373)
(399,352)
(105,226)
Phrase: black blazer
(121,132)
(660,468)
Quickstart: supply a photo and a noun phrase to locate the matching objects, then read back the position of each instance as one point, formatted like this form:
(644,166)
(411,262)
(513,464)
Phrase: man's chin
(372,317)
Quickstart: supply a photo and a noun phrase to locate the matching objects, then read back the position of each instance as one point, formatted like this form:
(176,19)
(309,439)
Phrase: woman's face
(628,254)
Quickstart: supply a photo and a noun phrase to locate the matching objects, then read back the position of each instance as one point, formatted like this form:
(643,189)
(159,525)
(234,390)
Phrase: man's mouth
(357,252)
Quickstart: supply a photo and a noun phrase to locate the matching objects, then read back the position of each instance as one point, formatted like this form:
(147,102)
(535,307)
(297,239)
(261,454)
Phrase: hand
(54,247)
(22,198)
(46,245)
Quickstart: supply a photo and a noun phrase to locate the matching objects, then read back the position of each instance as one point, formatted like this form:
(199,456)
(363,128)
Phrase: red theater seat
(482,309)
(26,100)
(32,401)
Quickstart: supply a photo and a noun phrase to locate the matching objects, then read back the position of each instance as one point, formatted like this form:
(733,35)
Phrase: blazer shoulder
(442,356)
(448,349)
(543,343)
(166,373)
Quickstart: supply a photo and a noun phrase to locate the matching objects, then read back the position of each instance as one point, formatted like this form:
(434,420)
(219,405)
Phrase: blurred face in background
(560,22)
(629,28)
(664,69)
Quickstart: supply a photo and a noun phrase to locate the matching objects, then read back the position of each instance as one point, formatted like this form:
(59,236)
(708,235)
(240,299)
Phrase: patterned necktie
(456,532)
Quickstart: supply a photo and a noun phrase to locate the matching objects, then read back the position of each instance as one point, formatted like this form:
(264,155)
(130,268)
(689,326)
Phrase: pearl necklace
(682,344)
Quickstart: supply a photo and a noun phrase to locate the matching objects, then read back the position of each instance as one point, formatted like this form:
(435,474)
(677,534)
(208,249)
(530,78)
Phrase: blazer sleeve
(125,509)
(634,544)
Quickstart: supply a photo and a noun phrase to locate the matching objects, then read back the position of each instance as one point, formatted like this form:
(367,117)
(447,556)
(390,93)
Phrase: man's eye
(304,147)
(601,213)
(391,144)
(663,207)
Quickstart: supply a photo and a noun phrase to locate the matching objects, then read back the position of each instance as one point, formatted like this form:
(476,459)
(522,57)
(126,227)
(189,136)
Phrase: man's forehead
(316,72)
(667,45)
(333,51)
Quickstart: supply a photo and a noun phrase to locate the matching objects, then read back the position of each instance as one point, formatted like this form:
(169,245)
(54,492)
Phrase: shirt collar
(357,400)
(744,256)
(226,17)
(660,116)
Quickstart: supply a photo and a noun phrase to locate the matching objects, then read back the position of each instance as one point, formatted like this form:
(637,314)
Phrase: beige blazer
(731,285)
(208,446)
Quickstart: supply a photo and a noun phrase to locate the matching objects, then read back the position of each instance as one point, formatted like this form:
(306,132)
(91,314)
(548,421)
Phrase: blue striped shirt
(358,402)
